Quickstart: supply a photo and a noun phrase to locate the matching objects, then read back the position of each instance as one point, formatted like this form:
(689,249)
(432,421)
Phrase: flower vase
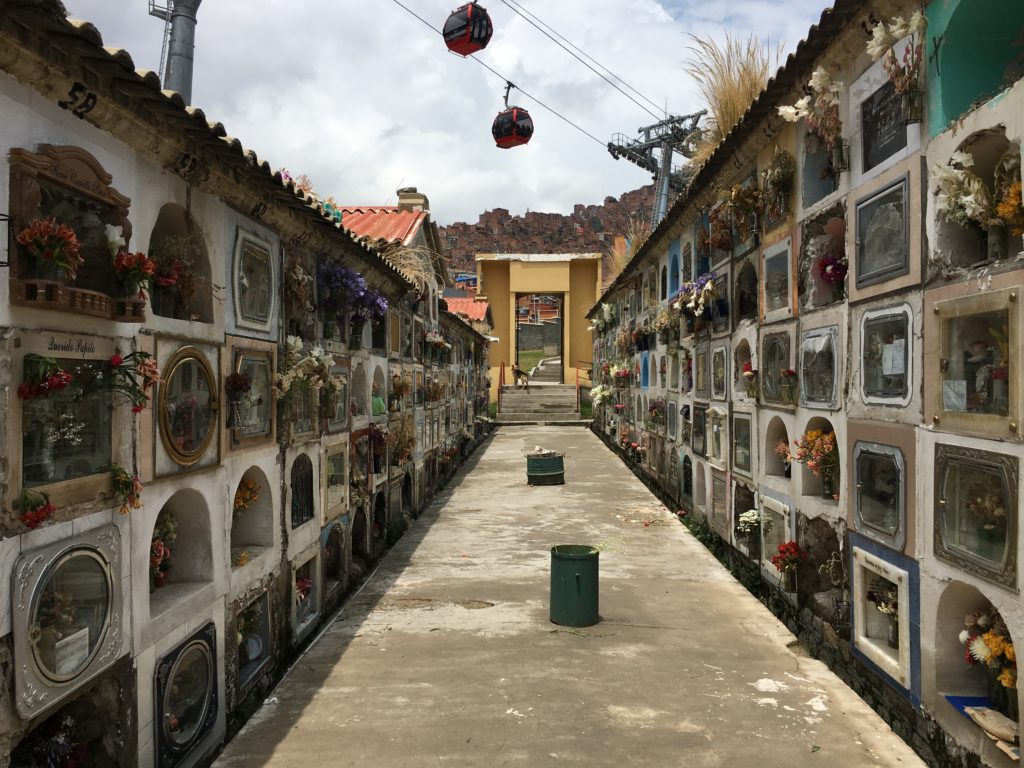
(911,107)
(827,487)
(788,470)
(787,394)
(840,157)
(788,581)
(236,415)
(996,242)
(997,698)
(893,635)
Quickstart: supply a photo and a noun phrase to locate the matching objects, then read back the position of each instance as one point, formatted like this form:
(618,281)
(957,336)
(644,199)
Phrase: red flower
(138,408)
(25,392)
(116,360)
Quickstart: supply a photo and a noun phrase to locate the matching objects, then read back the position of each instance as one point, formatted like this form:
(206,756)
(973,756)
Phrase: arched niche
(333,556)
(966,246)
(177,246)
(673,376)
(978,55)
(664,284)
(746,292)
(686,480)
(810,484)
(673,272)
(183,527)
(360,542)
(408,503)
(252,518)
(742,357)
(700,493)
(639,408)
(380,523)
(378,392)
(300,489)
(653,380)
(952,674)
(776,433)
(360,394)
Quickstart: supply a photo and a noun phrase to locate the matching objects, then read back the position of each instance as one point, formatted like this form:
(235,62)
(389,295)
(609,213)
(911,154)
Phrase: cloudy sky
(364,98)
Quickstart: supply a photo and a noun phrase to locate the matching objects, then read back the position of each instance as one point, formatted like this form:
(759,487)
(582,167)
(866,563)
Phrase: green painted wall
(981,52)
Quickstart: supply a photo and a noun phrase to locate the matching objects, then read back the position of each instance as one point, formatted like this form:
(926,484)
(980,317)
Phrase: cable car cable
(562,37)
(655,115)
(505,79)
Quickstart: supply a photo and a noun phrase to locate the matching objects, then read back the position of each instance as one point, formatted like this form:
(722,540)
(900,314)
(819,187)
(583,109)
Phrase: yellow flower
(1011,655)
(1008,677)
(996,643)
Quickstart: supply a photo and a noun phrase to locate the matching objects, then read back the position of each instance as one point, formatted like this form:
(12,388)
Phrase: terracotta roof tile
(474,310)
(382,222)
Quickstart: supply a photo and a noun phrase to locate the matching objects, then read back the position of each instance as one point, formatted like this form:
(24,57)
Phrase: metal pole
(661,202)
(181,49)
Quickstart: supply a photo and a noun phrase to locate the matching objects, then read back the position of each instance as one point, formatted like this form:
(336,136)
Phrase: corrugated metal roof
(382,222)
(474,310)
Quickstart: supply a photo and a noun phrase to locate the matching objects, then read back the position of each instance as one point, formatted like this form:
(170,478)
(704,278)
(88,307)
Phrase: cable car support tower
(673,134)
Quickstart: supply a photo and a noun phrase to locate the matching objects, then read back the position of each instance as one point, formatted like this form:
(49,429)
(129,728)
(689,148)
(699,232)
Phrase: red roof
(474,310)
(382,222)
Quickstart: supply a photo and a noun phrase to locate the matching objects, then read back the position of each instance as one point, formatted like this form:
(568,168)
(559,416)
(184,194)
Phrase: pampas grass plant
(729,76)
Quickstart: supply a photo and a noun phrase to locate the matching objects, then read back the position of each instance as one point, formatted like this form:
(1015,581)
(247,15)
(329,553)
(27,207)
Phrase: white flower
(898,28)
(820,80)
(918,23)
(964,636)
(880,42)
(963,159)
(789,114)
(979,650)
(115,239)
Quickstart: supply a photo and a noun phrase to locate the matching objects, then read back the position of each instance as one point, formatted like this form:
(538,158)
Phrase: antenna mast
(673,134)
(162,11)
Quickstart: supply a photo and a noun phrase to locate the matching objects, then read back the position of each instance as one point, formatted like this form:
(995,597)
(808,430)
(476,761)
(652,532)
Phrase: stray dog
(520,378)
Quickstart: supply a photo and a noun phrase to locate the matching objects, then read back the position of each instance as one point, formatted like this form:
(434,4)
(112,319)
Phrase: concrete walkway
(447,657)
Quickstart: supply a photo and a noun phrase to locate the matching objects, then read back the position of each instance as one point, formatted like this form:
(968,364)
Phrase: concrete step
(537,394)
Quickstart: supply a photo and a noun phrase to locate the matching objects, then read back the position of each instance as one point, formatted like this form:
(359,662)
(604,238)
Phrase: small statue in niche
(978,370)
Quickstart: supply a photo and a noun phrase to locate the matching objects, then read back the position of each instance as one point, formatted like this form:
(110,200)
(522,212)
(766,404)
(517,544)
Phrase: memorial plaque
(882,131)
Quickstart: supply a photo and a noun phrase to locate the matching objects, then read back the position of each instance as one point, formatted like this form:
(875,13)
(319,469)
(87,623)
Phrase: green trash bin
(545,469)
(574,585)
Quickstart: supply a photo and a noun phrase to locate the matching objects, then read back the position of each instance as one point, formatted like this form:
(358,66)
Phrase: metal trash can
(545,469)
(574,571)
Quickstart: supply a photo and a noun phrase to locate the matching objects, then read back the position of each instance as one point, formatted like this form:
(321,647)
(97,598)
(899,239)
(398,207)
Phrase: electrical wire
(555,37)
(505,79)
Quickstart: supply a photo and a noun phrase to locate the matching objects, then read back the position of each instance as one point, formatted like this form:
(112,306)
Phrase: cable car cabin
(512,127)
(468,30)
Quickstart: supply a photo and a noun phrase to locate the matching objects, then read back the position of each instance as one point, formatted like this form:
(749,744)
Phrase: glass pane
(819,368)
(817,176)
(188,694)
(718,373)
(976,375)
(300,409)
(976,510)
(336,482)
(879,491)
(339,419)
(70,614)
(699,434)
(885,354)
(255,283)
(776,360)
(741,456)
(774,531)
(701,374)
(189,414)
(66,434)
(305,594)
(257,403)
(881,235)
(717,424)
(253,637)
(776,281)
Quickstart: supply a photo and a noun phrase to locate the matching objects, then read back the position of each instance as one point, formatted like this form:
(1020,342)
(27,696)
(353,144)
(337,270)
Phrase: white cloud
(363,98)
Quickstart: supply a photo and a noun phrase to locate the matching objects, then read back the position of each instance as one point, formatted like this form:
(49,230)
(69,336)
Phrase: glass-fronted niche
(66,619)
(187,403)
(66,435)
(250,413)
(883,240)
(186,696)
(719,505)
(336,479)
(976,511)
(741,457)
(972,346)
(777,385)
(975,367)
(777,289)
(818,367)
(886,355)
(254,281)
(880,482)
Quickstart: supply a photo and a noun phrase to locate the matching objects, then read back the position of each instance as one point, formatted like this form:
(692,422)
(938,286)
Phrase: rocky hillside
(587,228)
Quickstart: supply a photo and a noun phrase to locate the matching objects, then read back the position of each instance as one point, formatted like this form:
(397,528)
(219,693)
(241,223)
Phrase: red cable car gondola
(513,126)
(468,30)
